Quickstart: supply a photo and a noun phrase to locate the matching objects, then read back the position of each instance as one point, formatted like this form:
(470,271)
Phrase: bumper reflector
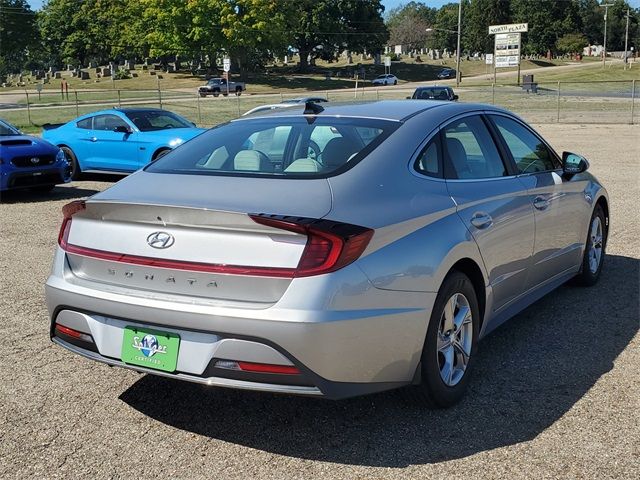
(70,332)
(257,367)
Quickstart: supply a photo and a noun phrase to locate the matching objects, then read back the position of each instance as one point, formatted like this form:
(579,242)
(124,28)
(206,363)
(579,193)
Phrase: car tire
(594,251)
(395,82)
(450,344)
(216,93)
(204,95)
(73,161)
(238,92)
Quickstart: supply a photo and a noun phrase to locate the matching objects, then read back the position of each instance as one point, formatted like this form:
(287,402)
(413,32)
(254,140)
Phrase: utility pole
(626,42)
(458,74)
(604,52)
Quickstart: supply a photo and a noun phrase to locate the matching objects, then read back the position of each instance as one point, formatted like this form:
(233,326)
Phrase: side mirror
(455,97)
(572,163)
(123,129)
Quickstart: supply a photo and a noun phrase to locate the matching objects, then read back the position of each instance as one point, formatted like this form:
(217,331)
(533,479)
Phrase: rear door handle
(541,203)
(481,220)
(93,139)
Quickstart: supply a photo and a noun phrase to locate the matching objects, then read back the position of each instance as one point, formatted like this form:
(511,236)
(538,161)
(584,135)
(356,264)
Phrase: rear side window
(529,152)
(470,150)
(86,123)
(429,161)
(278,146)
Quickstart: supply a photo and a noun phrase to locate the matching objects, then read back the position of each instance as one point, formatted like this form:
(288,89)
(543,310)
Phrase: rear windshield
(278,147)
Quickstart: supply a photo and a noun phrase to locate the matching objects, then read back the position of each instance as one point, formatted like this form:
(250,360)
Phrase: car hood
(169,134)
(26,142)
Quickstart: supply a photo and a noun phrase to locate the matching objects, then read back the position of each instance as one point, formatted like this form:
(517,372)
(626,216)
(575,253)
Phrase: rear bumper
(210,381)
(345,336)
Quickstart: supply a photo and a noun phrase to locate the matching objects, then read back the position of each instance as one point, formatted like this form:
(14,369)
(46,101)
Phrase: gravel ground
(556,393)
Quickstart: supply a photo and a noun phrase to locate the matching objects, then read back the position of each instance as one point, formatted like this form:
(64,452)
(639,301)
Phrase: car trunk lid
(197,240)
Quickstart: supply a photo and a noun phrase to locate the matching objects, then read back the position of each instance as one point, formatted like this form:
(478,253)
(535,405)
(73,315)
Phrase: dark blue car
(30,162)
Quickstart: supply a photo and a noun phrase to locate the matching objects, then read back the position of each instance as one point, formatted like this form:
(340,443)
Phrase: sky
(389,4)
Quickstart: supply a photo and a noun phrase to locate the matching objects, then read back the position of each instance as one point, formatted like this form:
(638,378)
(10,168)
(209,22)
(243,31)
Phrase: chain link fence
(612,102)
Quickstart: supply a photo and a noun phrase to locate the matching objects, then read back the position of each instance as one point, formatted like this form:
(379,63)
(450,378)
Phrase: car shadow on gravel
(528,374)
(68,191)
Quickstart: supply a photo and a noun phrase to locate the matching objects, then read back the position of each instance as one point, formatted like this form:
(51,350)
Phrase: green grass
(179,92)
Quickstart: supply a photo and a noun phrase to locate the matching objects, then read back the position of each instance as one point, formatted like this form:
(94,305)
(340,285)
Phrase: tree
(445,34)
(548,21)
(17,35)
(322,28)
(407,24)
(478,17)
(572,43)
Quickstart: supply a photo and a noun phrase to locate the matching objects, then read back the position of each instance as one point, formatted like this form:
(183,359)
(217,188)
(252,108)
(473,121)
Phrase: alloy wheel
(455,338)
(595,250)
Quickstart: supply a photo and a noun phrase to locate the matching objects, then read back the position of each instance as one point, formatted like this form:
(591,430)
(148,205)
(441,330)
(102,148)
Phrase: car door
(81,143)
(492,202)
(113,150)
(559,203)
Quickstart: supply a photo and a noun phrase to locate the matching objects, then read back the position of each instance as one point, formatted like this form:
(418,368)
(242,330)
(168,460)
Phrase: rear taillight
(330,245)
(68,211)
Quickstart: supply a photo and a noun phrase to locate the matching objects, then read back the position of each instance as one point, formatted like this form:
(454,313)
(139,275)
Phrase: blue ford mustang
(29,162)
(120,139)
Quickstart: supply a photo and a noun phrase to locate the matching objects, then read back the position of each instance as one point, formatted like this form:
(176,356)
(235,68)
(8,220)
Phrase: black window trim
(533,132)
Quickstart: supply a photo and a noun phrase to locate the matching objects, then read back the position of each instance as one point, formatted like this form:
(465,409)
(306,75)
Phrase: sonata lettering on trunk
(153,277)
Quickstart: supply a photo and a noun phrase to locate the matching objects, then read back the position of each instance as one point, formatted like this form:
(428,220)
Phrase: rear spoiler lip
(51,126)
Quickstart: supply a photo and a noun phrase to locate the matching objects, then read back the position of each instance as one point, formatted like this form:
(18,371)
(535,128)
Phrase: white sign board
(488,59)
(226,64)
(510,28)
(387,61)
(507,50)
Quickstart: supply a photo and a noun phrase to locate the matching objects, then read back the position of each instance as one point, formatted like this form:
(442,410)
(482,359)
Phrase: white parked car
(386,79)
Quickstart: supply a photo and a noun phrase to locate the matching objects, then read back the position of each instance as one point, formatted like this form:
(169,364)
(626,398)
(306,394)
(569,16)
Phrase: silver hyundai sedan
(332,250)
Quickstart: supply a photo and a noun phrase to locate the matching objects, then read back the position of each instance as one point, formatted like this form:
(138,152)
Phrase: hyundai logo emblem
(35,160)
(160,240)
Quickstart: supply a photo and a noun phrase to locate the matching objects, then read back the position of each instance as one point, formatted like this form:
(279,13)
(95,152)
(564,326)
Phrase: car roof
(396,110)
(138,109)
(304,99)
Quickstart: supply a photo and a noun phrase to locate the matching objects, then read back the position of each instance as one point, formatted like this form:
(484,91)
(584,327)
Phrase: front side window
(108,122)
(470,150)
(278,146)
(529,152)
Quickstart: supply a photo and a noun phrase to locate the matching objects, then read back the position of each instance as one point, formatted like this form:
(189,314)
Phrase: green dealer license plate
(150,348)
